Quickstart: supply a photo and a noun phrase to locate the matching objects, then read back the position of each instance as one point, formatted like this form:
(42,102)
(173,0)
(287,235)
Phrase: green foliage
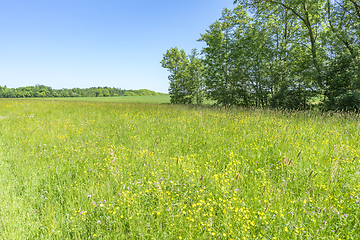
(237,58)
(41,91)
(186,78)
(341,81)
(175,61)
(274,57)
(295,97)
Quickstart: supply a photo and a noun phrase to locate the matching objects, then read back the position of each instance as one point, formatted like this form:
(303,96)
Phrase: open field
(123,99)
(132,99)
(101,170)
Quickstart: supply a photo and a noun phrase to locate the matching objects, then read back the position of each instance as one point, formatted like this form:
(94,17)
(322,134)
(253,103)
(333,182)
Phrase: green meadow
(124,99)
(129,99)
(123,170)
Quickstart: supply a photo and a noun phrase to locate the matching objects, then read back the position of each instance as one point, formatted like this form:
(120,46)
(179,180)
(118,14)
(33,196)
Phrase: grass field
(105,170)
(124,99)
(131,99)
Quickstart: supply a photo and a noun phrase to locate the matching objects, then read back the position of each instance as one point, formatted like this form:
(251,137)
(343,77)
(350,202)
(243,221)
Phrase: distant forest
(41,91)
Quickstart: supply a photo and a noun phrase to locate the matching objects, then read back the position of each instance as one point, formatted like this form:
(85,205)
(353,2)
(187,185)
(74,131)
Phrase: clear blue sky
(78,43)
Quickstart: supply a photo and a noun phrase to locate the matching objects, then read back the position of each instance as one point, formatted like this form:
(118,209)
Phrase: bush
(342,83)
(292,98)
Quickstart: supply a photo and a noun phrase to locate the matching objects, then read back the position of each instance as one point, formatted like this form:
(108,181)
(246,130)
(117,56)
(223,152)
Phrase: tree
(222,77)
(186,83)
(308,12)
(238,59)
(342,83)
(343,19)
(194,79)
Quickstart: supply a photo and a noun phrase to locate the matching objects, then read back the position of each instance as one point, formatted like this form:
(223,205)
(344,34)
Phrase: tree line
(41,91)
(274,53)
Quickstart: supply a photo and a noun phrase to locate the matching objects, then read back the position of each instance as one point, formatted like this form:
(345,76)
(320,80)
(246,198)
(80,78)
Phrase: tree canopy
(186,76)
(282,53)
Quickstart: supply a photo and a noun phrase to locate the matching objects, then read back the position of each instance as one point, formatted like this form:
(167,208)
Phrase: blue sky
(78,43)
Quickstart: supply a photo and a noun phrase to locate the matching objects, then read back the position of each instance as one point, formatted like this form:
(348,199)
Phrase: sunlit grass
(123,99)
(80,170)
(131,99)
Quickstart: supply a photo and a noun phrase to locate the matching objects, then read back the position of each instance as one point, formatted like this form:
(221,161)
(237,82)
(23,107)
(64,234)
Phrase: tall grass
(87,170)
